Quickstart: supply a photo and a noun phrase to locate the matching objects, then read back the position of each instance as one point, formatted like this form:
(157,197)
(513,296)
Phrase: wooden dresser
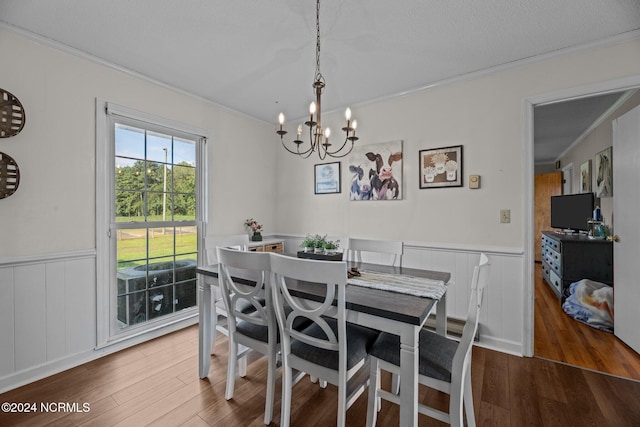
(568,258)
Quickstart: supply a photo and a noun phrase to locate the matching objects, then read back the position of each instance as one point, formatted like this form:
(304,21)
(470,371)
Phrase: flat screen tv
(572,211)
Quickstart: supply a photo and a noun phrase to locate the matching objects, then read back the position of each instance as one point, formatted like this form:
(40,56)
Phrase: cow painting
(360,184)
(376,172)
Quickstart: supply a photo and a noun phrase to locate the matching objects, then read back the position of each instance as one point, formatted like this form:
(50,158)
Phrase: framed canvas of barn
(375,172)
(441,167)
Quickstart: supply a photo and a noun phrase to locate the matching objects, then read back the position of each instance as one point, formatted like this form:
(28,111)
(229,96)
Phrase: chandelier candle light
(315,118)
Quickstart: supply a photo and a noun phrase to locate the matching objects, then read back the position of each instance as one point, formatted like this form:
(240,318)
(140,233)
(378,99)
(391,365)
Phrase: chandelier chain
(318,74)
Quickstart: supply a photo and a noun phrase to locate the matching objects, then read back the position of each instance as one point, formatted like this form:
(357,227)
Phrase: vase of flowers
(255,229)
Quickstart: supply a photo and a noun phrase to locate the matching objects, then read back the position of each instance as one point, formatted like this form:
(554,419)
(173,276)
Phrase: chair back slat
(389,249)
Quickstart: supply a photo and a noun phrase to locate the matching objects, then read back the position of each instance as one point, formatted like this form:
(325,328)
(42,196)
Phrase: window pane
(184,151)
(160,301)
(129,206)
(185,207)
(159,177)
(159,147)
(160,271)
(185,295)
(129,174)
(186,241)
(129,141)
(185,179)
(131,247)
(161,241)
(132,309)
(159,206)
(132,279)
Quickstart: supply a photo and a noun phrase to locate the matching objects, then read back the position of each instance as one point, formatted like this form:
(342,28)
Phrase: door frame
(528,105)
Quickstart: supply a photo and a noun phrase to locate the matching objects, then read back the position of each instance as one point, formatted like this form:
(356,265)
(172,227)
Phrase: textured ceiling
(258,57)
(558,126)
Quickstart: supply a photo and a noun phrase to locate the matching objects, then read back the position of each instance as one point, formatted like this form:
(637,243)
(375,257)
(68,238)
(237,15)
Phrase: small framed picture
(326,178)
(441,167)
(604,173)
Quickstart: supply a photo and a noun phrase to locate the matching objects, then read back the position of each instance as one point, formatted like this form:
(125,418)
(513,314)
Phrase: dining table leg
(409,373)
(441,316)
(204,327)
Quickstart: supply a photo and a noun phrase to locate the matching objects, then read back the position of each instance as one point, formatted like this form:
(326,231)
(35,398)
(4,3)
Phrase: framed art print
(327,178)
(604,173)
(376,172)
(441,167)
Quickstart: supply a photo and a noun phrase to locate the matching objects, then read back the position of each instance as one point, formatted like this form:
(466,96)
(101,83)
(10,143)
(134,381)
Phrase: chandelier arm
(335,153)
(297,152)
(339,149)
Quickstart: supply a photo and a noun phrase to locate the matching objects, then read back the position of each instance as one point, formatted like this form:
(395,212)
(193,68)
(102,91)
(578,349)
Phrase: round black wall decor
(12,115)
(9,176)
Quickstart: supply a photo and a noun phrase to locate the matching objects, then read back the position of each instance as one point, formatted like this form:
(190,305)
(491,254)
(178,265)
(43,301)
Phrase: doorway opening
(546,316)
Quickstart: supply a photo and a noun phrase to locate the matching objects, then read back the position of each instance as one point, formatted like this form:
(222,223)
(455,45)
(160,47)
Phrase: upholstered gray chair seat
(436,353)
(359,340)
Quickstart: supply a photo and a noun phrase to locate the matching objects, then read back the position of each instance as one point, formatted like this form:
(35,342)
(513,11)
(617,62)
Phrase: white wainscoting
(47,314)
(502,314)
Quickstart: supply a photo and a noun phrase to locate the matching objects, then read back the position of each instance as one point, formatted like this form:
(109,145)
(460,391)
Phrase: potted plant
(331,246)
(308,244)
(319,243)
(255,229)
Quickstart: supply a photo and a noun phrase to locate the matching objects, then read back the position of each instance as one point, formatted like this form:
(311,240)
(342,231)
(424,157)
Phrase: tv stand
(568,258)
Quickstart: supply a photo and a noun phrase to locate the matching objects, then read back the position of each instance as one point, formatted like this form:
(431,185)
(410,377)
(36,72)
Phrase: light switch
(505,216)
(474,181)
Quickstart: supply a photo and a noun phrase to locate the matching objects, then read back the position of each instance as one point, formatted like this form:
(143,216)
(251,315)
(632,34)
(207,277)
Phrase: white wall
(47,228)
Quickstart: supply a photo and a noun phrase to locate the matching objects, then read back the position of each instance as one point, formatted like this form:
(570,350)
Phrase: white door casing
(626,205)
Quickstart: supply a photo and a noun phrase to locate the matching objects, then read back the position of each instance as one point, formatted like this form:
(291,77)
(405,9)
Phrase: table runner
(401,283)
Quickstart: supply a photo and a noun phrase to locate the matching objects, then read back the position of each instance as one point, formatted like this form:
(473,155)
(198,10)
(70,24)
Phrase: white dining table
(387,311)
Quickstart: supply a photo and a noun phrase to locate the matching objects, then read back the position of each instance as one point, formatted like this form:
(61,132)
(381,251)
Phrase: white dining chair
(254,330)
(388,252)
(218,310)
(445,364)
(329,348)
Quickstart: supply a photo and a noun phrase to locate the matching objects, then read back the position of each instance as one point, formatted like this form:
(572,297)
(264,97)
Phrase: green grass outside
(132,252)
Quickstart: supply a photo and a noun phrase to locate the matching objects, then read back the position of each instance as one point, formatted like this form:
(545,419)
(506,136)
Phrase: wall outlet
(505,216)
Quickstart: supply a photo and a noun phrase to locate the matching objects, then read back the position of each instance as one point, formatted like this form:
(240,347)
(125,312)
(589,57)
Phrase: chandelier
(316,133)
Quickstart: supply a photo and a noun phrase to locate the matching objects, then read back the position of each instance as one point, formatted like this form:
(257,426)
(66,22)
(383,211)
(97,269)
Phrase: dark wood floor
(559,337)
(156,383)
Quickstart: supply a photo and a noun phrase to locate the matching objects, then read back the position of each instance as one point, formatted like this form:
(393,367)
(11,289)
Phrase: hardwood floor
(559,337)
(156,383)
